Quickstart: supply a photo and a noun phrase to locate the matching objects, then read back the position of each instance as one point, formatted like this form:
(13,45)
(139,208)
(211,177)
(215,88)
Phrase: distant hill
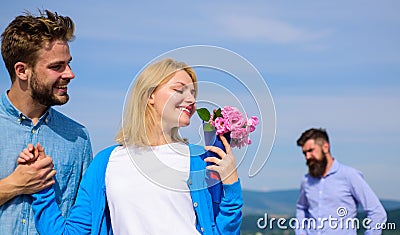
(283,202)
(390,204)
(274,202)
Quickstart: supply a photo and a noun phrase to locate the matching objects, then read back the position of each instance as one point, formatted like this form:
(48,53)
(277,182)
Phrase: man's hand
(28,178)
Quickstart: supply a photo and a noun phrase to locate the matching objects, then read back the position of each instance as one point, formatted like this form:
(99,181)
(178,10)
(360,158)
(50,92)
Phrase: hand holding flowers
(225,165)
(231,129)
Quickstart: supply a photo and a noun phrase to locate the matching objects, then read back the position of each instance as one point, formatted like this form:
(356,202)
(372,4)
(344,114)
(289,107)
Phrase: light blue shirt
(65,140)
(328,205)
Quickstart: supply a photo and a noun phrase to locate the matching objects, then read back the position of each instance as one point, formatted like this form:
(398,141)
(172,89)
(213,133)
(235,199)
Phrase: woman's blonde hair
(139,116)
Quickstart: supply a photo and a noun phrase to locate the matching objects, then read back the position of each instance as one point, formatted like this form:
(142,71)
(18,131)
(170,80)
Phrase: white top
(147,191)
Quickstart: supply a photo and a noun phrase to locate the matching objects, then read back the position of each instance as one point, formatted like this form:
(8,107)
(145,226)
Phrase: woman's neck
(160,137)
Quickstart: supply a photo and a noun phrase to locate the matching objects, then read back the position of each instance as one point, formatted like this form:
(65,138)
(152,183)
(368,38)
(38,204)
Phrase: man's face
(316,158)
(51,75)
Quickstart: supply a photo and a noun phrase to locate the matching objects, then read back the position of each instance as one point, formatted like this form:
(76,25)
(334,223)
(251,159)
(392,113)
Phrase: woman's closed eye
(178,91)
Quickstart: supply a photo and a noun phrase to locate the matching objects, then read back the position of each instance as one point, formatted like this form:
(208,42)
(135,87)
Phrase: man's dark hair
(26,35)
(319,135)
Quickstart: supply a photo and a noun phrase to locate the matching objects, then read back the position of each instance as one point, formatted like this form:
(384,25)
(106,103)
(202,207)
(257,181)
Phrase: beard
(43,93)
(316,168)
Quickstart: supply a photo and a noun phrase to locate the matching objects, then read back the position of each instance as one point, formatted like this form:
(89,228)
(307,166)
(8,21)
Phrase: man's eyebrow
(60,62)
(308,150)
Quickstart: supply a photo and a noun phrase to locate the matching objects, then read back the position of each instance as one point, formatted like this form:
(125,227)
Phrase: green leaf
(204,114)
(208,127)
(217,113)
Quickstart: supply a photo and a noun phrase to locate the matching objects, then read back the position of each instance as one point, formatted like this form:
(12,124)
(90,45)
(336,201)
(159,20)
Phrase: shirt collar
(9,107)
(18,115)
(334,167)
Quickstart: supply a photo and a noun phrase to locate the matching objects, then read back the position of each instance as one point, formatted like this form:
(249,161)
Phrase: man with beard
(331,192)
(36,54)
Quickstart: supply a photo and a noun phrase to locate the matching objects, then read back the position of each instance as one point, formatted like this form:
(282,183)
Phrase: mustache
(311,162)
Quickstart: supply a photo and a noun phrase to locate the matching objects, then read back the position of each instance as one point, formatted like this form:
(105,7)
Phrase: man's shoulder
(346,168)
(65,119)
(67,127)
(348,171)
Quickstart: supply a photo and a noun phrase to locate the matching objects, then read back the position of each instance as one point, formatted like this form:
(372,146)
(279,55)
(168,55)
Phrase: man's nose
(68,74)
(307,155)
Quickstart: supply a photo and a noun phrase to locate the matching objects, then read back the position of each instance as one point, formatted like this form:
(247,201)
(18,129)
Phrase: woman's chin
(184,123)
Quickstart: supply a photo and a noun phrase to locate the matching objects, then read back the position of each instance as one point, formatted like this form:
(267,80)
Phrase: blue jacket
(218,208)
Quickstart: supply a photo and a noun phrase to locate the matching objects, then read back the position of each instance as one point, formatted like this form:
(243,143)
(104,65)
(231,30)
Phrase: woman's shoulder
(103,156)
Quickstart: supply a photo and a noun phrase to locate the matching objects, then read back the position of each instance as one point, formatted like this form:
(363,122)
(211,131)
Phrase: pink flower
(235,123)
(252,122)
(231,112)
(221,125)
(231,120)
(239,133)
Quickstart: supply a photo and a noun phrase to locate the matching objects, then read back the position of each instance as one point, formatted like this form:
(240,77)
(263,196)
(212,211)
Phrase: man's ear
(325,147)
(22,71)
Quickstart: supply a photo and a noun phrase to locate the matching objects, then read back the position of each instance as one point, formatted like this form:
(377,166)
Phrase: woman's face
(174,101)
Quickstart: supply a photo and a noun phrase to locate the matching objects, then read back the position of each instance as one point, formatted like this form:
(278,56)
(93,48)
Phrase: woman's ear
(22,70)
(151,99)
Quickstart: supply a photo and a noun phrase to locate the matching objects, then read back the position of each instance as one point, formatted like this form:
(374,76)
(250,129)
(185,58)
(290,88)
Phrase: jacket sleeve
(229,217)
(48,217)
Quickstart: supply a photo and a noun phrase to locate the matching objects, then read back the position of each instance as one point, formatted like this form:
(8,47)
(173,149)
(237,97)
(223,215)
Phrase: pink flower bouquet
(236,128)
(230,122)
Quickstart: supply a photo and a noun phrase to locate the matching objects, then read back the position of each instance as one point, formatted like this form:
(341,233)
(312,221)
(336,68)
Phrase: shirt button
(202,229)
(190,181)
(195,204)
(24,221)
(19,120)
(23,117)
(33,131)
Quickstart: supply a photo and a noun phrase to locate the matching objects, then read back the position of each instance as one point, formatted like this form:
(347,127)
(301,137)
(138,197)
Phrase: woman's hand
(226,166)
(31,153)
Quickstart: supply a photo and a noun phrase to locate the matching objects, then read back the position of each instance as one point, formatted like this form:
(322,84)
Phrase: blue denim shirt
(65,140)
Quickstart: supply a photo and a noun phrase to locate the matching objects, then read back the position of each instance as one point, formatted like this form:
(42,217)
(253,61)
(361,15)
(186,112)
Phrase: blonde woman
(153,181)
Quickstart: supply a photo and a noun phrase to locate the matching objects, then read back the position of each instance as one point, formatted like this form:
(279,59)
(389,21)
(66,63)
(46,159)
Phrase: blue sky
(331,64)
